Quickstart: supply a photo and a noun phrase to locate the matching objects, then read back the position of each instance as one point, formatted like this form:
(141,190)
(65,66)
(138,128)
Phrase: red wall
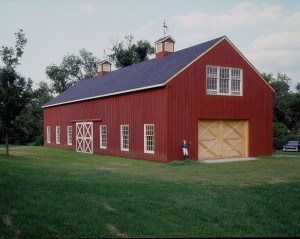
(188,103)
(145,107)
(175,110)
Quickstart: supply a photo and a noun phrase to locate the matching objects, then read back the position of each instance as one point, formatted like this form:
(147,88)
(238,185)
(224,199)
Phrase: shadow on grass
(181,162)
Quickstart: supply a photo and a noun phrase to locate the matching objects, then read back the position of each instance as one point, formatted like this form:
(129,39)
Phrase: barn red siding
(188,103)
(137,109)
(174,110)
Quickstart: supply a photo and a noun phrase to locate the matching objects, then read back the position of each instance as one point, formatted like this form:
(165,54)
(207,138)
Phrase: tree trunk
(6,141)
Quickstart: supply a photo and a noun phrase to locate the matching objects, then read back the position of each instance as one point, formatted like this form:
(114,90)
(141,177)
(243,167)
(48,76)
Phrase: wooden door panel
(222,139)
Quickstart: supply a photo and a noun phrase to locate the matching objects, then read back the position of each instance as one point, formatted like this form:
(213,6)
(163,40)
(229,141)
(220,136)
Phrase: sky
(267,32)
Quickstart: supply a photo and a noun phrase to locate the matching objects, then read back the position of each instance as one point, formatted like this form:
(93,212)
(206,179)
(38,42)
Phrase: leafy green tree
(72,69)
(295,113)
(29,124)
(286,110)
(15,90)
(280,134)
(128,53)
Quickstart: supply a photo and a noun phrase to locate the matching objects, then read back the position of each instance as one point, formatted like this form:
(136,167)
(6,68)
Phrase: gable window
(103,136)
(235,82)
(57,134)
(169,46)
(125,137)
(106,67)
(223,81)
(48,134)
(69,135)
(158,47)
(149,138)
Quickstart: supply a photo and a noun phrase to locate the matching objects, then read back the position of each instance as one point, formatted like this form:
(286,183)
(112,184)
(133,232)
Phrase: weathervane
(165,28)
(104,55)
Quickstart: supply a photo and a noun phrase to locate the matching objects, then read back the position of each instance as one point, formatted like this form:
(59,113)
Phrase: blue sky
(267,32)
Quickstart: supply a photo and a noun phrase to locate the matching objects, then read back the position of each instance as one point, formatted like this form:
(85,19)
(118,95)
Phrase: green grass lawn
(52,193)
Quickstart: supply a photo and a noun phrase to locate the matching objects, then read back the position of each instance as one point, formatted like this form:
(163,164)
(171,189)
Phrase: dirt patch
(17,234)
(116,231)
(277,180)
(107,207)
(6,219)
(105,168)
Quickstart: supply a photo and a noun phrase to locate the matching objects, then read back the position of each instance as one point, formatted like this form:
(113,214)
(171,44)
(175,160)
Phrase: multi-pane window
(158,47)
(212,80)
(69,135)
(125,137)
(149,138)
(106,67)
(169,46)
(103,136)
(223,81)
(57,134)
(48,134)
(235,81)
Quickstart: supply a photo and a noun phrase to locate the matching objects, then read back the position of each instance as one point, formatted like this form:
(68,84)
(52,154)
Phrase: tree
(15,90)
(286,110)
(72,69)
(132,53)
(29,124)
(298,87)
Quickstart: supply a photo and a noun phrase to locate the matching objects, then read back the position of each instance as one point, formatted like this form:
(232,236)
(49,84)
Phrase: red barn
(208,94)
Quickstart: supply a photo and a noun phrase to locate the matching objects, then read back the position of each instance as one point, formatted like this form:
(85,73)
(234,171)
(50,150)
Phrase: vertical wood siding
(146,107)
(174,110)
(188,103)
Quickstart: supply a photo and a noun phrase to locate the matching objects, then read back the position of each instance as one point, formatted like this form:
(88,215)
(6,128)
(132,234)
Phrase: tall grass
(52,193)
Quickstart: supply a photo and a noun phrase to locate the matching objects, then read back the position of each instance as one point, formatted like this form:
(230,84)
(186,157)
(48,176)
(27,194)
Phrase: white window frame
(169,46)
(149,138)
(69,135)
(48,134)
(103,137)
(158,47)
(57,134)
(106,67)
(124,137)
(217,76)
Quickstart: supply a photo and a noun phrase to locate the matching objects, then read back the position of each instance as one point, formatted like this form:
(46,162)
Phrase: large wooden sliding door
(222,139)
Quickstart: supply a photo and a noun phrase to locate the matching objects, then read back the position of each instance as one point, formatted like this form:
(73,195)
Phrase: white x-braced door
(84,137)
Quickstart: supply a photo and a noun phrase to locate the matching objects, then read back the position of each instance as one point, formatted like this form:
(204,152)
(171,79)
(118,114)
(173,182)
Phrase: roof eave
(105,95)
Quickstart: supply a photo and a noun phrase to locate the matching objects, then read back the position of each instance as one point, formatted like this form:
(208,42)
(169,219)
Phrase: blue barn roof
(147,74)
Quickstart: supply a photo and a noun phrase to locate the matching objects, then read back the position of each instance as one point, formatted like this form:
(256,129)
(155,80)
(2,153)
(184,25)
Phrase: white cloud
(267,34)
(291,22)
(281,40)
(278,59)
(244,15)
(85,10)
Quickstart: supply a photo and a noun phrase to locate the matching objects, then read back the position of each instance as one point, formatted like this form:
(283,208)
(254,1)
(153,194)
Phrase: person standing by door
(185,151)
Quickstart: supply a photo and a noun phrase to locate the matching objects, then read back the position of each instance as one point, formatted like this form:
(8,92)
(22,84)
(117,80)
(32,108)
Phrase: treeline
(21,112)
(286,109)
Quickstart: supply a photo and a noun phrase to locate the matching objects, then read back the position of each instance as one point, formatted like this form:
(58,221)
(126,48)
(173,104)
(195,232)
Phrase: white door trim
(84,137)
